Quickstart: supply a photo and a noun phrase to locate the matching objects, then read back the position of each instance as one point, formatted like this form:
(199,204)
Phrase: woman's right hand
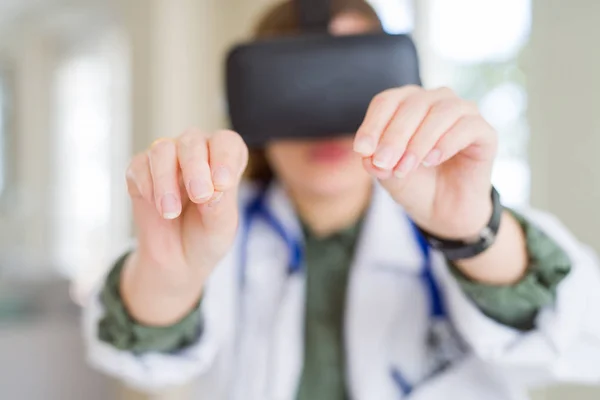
(184,195)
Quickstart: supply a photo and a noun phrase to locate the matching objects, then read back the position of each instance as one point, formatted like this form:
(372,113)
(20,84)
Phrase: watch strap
(469,248)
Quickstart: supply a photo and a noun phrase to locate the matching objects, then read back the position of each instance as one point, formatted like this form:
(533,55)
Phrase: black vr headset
(313,85)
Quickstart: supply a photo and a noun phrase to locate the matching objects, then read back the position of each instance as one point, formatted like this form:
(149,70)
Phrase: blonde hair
(282,20)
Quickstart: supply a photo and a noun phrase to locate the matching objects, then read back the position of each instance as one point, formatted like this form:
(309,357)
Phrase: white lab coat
(252,344)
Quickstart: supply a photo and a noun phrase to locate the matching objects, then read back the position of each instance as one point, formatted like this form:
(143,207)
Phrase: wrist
(467,222)
(168,278)
(469,242)
(478,221)
(155,296)
(505,261)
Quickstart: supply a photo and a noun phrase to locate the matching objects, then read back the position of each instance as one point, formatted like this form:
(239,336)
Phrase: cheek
(286,159)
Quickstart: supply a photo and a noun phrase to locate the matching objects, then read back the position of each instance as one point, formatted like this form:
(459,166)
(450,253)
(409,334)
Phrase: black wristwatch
(467,248)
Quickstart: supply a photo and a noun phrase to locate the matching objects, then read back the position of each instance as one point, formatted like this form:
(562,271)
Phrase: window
(475,48)
(83,161)
(397,16)
(92,147)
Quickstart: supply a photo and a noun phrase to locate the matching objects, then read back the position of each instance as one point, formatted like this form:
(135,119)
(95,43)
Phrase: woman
(327,289)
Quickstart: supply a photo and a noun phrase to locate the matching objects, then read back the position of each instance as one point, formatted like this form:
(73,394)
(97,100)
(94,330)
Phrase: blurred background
(86,83)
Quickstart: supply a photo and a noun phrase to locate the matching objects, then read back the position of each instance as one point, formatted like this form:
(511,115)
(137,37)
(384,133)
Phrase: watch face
(436,244)
(487,236)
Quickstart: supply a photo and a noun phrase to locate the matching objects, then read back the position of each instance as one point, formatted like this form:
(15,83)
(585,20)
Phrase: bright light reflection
(474,31)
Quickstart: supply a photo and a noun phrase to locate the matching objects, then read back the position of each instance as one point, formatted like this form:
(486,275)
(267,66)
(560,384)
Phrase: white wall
(563,64)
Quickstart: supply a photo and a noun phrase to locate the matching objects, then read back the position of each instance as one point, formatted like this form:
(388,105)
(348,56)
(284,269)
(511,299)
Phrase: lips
(333,151)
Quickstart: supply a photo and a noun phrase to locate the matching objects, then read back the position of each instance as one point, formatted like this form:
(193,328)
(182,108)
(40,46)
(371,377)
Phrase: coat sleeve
(210,353)
(120,330)
(151,371)
(564,344)
(518,305)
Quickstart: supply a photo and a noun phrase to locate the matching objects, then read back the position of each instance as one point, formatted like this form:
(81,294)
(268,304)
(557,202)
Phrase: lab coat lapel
(282,208)
(287,344)
(387,240)
(270,352)
(386,251)
(286,359)
(264,274)
(386,248)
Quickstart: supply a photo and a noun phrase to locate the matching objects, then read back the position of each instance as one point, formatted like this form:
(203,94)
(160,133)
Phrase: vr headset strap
(314,15)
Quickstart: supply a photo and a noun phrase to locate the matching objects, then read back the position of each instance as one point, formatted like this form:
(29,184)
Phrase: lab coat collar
(386,249)
(386,228)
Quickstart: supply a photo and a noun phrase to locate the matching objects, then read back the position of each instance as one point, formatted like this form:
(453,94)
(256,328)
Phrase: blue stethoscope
(257,209)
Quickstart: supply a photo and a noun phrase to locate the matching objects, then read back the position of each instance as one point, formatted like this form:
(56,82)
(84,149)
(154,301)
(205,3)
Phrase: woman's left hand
(434,153)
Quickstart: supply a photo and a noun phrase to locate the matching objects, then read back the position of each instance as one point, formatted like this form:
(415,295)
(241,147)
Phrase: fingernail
(200,189)
(384,158)
(364,145)
(170,206)
(433,158)
(221,176)
(406,165)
